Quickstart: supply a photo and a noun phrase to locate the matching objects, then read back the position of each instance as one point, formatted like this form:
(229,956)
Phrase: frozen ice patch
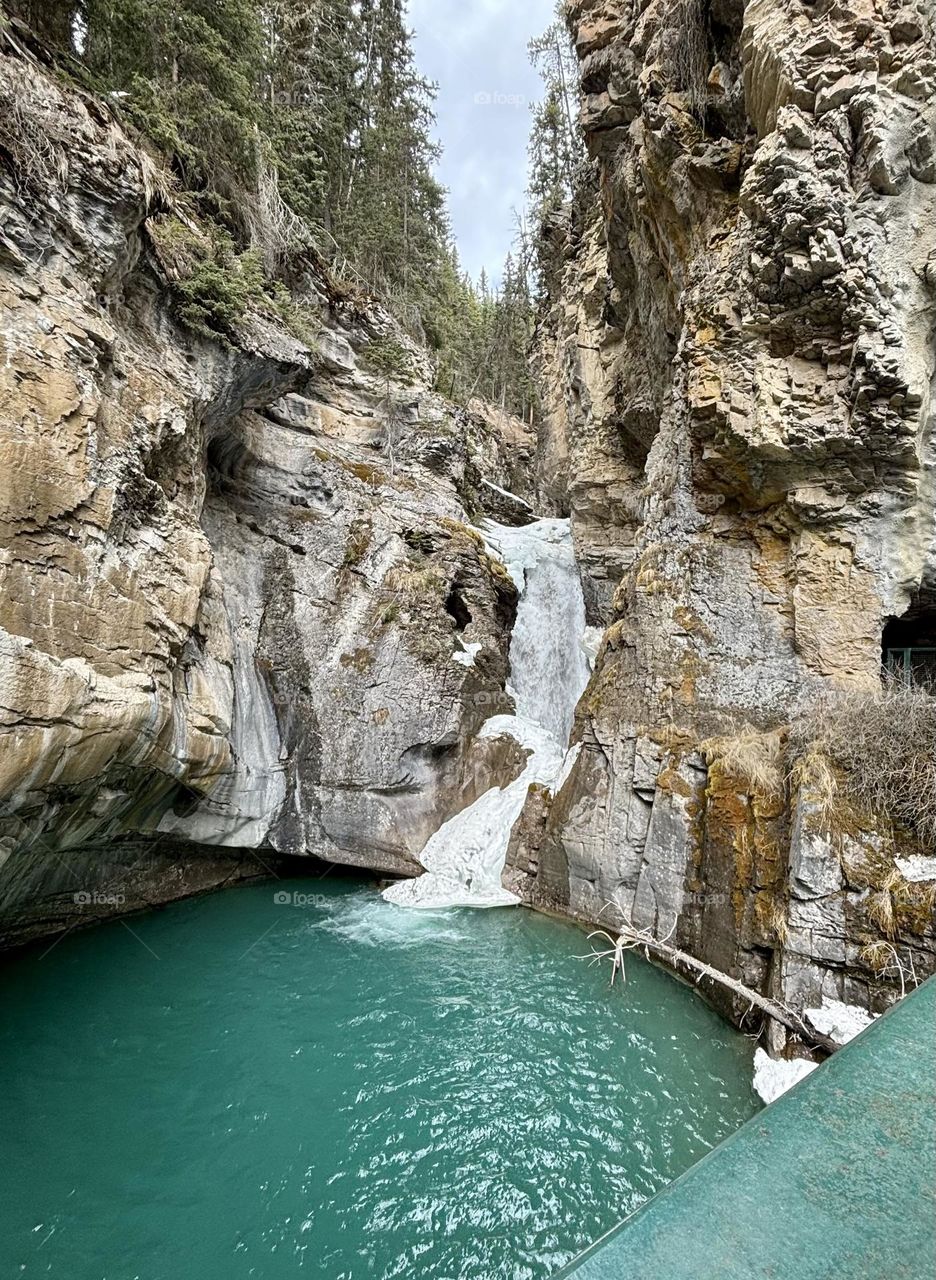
(464,859)
(591,643)
(840,1022)
(774,1076)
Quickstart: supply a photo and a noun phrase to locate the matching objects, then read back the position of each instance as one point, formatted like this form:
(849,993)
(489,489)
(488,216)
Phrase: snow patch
(505,493)
(568,765)
(774,1076)
(840,1022)
(467,654)
(591,643)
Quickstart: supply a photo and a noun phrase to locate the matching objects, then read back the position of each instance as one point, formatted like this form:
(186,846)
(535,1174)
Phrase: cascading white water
(465,858)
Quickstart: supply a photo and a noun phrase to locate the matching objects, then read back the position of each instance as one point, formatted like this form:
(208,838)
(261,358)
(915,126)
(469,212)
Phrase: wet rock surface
(237,575)
(738,365)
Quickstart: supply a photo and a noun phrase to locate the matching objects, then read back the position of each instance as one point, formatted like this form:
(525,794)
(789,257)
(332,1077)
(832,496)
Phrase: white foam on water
(464,859)
(365,920)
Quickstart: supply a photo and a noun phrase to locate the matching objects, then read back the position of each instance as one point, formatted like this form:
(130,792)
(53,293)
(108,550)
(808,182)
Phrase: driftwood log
(630,938)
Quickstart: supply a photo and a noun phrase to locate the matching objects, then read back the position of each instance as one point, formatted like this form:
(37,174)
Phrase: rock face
(739,370)
(238,576)
(241,598)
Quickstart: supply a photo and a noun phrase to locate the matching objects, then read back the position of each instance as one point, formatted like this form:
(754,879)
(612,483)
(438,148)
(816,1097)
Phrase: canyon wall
(738,366)
(244,616)
(242,609)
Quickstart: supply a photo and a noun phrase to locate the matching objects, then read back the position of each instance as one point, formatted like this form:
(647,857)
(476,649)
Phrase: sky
(476,51)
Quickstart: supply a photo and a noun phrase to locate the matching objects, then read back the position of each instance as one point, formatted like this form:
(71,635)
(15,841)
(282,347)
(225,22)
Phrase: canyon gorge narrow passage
(460,455)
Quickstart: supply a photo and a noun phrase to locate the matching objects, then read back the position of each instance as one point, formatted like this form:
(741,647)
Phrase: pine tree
(392,219)
(554,57)
(297,121)
(310,72)
(554,169)
(189,68)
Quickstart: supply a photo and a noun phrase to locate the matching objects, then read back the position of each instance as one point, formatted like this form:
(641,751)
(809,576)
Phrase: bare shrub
(38,160)
(687,59)
(882,746)
(275,231)
(886,961)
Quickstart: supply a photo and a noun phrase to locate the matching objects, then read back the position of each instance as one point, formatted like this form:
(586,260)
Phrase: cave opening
(909,645)
(457,607)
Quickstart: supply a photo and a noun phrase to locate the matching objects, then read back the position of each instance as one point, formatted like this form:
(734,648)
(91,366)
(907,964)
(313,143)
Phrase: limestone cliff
(241,597)
(238,582)
(738,361)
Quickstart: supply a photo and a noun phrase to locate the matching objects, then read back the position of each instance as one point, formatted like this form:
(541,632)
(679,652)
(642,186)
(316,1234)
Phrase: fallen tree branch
(631,938)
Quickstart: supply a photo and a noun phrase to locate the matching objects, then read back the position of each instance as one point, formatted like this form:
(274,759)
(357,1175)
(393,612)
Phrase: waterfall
(465,858)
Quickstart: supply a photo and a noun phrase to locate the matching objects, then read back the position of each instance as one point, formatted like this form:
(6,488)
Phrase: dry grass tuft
(878,956)
(157,181)
(776,920)
(407,579)
(882,905)
(813,773)
(879,747)
(751,756)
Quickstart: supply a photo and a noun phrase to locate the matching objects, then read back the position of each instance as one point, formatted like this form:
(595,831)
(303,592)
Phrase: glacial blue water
(239,1087)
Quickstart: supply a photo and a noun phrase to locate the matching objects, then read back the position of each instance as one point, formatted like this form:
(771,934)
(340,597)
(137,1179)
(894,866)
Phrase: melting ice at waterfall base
(465,858)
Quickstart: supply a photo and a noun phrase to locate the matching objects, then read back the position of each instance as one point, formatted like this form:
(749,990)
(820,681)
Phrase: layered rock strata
(242,607)
(739,368)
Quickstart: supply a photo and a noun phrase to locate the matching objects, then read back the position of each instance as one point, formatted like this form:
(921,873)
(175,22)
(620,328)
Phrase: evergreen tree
(554,57)
(310,74)
(189,68)
(554,169)
(290,122)
(392,219)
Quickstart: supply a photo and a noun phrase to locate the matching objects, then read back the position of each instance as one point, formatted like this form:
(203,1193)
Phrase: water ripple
(347,1091)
